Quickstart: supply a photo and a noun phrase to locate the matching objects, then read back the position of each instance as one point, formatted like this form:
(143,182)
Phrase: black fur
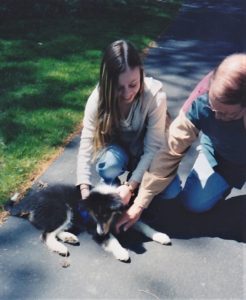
(47,208)
(101,206)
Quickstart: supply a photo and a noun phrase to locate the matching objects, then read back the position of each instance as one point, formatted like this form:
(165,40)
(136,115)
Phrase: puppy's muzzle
(102,228)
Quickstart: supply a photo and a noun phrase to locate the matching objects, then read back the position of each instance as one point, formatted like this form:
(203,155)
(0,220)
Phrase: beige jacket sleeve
(85,153)
(164,166)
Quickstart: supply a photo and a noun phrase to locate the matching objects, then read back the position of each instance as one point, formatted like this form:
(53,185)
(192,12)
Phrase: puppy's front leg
(113,246)
(68,237)
(151,233)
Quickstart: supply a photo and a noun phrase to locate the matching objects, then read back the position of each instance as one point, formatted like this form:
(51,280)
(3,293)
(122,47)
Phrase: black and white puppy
(55,209)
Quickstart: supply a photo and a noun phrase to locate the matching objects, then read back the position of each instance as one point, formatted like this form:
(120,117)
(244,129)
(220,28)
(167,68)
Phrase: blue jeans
(202,190)
(112,162)
(172,190)
(204,187)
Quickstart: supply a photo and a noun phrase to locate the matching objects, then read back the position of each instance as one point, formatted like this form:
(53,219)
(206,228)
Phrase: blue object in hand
(84,215)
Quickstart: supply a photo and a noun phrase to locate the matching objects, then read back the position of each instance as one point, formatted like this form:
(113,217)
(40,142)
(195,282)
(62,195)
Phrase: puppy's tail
(15,209)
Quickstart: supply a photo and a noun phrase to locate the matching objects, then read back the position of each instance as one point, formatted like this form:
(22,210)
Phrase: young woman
(124,123)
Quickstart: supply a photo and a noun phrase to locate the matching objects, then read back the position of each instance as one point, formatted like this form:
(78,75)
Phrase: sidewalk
(207,259)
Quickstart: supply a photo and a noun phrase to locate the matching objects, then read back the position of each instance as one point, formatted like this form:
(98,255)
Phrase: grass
(48,67)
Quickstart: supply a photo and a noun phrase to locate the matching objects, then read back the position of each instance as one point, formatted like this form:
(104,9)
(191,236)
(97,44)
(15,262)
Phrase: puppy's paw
(60,249)
(113,246)
(122,255)
(162,238)
(64,254)
(54,245)
(68,237)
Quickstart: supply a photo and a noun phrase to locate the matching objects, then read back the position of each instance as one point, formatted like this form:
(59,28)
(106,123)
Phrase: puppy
(105,206)
(56,209)
(53,210)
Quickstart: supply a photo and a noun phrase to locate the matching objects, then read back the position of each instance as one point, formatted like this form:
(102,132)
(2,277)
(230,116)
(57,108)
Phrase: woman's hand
(129,218)
(85,191)
(125,193)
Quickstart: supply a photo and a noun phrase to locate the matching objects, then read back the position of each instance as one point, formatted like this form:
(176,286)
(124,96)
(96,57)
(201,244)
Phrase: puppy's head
(104,205)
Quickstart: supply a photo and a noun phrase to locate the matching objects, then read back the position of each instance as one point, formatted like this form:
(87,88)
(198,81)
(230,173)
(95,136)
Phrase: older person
(217,110)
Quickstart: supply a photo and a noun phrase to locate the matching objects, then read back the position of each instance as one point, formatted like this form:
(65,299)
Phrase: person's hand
(85,191)
(129,218)
(125,193)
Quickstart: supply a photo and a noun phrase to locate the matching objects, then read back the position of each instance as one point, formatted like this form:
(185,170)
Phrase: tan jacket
(163,169)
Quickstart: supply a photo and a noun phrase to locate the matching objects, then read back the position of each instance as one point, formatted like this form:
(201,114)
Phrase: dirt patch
(3,217)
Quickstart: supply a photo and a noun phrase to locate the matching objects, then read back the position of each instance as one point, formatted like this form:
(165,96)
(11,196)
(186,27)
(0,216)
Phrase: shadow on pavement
(227,220)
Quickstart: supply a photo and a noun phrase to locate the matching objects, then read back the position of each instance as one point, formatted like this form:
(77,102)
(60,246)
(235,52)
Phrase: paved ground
(207,259)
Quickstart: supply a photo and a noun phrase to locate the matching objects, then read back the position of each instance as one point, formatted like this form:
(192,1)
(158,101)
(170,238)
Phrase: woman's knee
(172,190)
(200,196)
(112,162)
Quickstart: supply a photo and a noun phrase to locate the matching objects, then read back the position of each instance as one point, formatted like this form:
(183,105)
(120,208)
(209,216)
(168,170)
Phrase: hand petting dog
(129,218)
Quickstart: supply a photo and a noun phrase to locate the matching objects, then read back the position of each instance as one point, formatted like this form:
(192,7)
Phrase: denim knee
(172,190)
(112,162)
(198,196)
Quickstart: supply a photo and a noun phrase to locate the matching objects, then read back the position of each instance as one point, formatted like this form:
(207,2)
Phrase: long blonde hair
(118,56)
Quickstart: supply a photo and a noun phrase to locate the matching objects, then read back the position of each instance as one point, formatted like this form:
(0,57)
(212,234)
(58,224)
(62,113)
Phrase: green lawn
(48,67)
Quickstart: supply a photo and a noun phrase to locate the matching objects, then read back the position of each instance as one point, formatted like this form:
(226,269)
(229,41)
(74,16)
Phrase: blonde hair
(118,56)
(228,82)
